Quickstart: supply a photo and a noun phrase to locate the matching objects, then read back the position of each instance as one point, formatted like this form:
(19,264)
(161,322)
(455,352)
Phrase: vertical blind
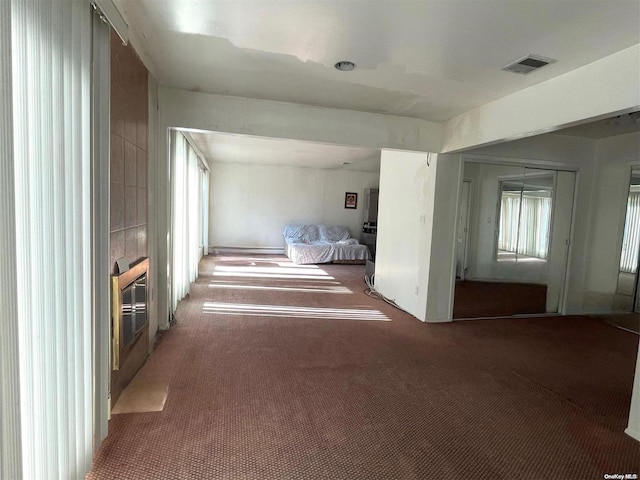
(631,237)
(50,71)
(186,216)
(205,212)
(524,224)
(10,438)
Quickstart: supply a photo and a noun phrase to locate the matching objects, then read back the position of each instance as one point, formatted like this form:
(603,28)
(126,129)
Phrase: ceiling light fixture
(345,66)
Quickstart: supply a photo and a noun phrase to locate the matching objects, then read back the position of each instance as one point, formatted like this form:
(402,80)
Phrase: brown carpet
(350,388)
(475,299)
(628,321)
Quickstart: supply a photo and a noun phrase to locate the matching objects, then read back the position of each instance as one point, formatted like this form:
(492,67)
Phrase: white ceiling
(229,148)
(430,59)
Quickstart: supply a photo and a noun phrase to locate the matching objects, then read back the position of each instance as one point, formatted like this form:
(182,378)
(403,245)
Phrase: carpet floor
(475,299)
(278,371)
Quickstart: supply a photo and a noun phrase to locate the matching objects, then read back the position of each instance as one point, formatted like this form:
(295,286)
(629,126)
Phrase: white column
(415,252)
(442,266)
(405,216)
(10,438)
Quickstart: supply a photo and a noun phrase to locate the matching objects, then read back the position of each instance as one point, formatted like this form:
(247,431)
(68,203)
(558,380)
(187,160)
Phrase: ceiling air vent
(528,64)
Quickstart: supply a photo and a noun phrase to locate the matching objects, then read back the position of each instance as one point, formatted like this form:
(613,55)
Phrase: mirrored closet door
(627,288)
(512,240)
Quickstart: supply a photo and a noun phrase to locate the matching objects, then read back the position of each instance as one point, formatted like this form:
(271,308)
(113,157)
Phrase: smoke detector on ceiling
(528,64)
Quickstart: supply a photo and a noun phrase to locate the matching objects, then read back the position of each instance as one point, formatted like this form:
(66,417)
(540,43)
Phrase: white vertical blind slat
(52,127)
(186,216)
(205,212)
(631,236)
(524,225)
(10,435)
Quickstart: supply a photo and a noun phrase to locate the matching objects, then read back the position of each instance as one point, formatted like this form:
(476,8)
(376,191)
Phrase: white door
(559,248)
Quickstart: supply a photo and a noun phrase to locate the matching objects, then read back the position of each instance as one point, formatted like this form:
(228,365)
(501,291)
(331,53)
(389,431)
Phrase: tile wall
(129,126)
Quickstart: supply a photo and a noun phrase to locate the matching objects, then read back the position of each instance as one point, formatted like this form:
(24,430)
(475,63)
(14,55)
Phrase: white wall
(405,217)
(249,203)
(415,253)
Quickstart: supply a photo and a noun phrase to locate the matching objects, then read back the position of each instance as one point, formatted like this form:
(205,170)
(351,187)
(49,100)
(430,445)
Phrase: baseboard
(217,250)
(635,434)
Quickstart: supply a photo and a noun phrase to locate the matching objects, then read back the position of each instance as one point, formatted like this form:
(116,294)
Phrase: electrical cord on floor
(372,292)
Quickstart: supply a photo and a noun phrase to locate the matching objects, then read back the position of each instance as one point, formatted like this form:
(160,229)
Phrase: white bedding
(307,244)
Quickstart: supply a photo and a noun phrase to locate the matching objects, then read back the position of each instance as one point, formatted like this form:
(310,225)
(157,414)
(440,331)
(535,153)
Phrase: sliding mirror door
(626,292)
(516,241)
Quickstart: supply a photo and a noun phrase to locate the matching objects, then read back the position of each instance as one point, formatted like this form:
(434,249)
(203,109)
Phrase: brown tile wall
(129,126)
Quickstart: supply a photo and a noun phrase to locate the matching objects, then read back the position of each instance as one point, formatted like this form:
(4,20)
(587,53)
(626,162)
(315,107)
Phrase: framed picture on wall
(350,200)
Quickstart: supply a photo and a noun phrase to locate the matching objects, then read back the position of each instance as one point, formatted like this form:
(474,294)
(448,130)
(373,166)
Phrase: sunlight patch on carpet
(294,312)
(310,288)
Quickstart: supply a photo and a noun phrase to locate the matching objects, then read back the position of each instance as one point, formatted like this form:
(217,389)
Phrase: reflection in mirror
(512,240)
(525,217)
(629,254)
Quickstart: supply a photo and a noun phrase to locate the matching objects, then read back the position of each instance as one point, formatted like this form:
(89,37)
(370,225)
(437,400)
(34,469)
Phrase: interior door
(559,243)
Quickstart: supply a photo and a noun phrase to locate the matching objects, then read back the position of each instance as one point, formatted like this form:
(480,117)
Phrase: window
(525,219)
(631,238)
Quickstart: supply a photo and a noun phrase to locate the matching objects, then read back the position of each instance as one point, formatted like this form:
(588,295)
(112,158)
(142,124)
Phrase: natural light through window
(285,272)
(278,270)
(631,237)
(267,275)
(288,311)
(312,288)
(525,221)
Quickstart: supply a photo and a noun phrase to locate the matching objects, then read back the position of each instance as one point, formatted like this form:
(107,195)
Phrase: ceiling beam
(271,119)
